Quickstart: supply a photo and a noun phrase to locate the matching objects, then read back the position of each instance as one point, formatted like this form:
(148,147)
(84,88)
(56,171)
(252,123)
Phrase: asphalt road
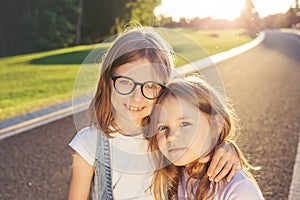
(263,84)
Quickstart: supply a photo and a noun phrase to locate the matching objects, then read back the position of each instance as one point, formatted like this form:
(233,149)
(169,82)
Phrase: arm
(82,173)
(225,162)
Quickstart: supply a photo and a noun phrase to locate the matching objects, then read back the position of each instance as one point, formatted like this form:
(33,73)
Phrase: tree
(105,17)
(36,25)
(99,18)
(142,11)
(79,23)
(54,23)
(275,21)
(249,19)
(295,14)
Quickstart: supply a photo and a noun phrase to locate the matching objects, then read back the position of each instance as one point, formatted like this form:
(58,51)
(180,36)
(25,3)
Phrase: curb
(17,125)
(40,120)
(294,192)
(220,57)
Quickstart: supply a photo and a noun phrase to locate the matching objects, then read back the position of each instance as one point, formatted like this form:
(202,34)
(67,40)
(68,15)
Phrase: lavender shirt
(241,187)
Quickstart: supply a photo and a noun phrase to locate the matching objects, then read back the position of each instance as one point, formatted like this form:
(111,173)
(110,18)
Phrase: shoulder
(84,143)
(242,187)
(87,132)
(87,135)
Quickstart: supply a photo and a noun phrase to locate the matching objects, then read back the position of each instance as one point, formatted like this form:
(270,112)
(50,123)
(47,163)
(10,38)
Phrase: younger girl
(110,158)
(188,122)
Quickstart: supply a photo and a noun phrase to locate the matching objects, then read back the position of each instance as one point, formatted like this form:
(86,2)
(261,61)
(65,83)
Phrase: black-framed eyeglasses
(125,85)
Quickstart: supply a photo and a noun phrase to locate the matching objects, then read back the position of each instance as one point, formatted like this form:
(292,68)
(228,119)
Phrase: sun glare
(217,9)
(268,7)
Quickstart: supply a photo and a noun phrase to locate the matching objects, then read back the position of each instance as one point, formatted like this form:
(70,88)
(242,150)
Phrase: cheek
(150,103)
(189,136)
(161,141)
(202,141)
(149,106)
(114,98)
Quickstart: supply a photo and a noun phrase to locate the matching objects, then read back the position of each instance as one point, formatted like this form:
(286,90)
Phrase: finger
(225,170)
(218,168)
(213,164)
(233,171)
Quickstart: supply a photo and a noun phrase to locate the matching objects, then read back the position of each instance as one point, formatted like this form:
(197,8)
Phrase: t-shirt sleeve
(246,190)
(242,187)
(84,143)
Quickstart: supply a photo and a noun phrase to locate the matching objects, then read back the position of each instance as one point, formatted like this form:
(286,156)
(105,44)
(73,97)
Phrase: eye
(162,128)
(151,85)
(125,82)
(185,124)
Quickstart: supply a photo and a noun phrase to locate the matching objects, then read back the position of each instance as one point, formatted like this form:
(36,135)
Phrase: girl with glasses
(111,154)
(188,123)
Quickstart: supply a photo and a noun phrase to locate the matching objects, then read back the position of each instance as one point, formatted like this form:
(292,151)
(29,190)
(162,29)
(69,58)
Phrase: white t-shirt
(132,166)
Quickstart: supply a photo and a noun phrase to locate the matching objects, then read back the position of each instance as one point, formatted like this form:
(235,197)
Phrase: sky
(218,9)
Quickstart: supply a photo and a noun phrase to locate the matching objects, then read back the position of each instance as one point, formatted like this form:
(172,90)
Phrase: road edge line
(42,120)
(294,192)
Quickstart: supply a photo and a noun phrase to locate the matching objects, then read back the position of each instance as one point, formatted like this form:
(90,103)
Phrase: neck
(197,166)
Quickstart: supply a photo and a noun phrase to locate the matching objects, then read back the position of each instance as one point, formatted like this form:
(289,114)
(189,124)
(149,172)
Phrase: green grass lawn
(33,81)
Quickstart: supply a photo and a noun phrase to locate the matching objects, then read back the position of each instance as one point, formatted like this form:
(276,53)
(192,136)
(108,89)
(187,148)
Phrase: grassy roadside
(289,30)
(33,81)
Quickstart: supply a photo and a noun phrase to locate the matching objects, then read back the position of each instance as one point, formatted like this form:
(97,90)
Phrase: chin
(180,163)
(136,118)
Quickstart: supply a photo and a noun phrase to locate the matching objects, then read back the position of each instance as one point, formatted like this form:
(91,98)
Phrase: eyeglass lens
(125,85)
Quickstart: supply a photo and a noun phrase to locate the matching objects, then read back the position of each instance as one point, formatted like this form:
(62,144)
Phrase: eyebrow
(154,81)
(181,118)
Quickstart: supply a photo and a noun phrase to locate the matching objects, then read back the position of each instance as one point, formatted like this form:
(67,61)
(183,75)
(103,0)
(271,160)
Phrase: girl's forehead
(179,106)
(140,69)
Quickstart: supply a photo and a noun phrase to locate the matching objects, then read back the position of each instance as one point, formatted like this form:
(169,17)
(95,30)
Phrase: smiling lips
(132,108)
(176,149)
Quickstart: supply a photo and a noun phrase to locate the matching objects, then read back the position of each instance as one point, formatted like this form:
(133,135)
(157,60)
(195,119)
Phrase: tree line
(39,25)
(249,20)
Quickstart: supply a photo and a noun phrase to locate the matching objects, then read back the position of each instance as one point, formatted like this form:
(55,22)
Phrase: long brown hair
(198,93)
(133,44)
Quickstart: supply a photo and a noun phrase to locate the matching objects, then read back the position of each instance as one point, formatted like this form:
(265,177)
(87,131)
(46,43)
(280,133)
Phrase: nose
(137,94)
(172,134)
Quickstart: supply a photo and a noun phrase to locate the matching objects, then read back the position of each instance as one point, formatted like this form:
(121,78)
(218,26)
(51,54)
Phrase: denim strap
(102,181)
(107,166)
